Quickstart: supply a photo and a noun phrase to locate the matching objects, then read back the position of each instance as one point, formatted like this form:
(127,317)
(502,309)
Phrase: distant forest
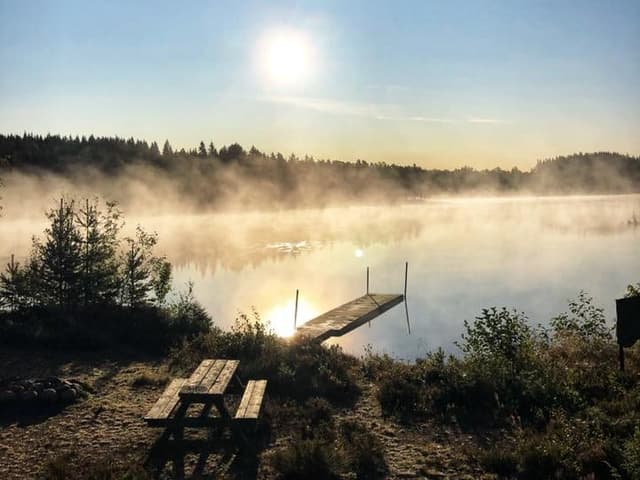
(211,176)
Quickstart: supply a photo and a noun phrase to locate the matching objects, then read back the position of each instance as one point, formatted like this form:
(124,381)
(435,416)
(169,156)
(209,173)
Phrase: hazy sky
(441,84)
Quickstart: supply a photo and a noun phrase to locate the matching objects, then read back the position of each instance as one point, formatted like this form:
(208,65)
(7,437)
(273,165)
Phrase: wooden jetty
(348,317)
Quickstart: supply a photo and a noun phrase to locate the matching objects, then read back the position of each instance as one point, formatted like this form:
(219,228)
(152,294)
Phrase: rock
(17,388)
(49,395)
(67,394)
(28,395)
(7,396)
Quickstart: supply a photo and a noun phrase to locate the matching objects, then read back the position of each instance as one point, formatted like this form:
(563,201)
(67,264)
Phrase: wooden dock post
(295,312)
(406,271)
(367,280)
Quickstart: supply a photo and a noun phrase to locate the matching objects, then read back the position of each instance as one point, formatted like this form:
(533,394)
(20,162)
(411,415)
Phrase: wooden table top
(209,380)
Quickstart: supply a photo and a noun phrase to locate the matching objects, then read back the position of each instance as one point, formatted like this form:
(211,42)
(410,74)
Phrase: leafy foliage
(567,410)
(583,319)
(81,288)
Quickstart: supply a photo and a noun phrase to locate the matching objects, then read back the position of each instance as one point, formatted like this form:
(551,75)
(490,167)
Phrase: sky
(442,84)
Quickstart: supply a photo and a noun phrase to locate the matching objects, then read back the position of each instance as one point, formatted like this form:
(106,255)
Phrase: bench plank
(212,375)
(222,382)
(196,377)
(251,400)
(211,378)
(167,401)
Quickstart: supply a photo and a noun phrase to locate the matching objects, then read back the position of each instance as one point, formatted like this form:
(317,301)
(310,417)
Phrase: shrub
(399,393)
(632,455)
(307,459)
(500,337)
(364,451)
(297,368)
(584,319)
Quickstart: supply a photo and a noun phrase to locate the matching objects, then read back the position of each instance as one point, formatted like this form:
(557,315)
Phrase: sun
(287,56)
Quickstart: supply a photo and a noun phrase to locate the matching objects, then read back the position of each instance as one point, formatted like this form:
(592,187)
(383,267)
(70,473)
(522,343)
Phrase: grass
(65,467)
(150,378)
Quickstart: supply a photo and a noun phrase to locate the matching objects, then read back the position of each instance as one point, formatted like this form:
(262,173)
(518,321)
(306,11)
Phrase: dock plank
(348,317)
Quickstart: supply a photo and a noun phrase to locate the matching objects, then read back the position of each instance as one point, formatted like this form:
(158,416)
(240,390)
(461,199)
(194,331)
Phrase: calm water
(527,253)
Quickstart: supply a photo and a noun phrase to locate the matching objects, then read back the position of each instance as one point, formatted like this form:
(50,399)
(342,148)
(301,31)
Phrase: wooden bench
(165,405)
(251,402)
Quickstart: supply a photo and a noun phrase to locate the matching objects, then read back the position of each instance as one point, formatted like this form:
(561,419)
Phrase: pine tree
(13,286)
(202,150)
(212,150)
(60,257)
(99,239)
(167,151)
(143,273)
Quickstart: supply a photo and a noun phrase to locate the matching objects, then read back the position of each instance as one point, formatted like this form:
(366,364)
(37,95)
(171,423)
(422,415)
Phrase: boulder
(49,395)
(7,396)
(28,395)
(67,394)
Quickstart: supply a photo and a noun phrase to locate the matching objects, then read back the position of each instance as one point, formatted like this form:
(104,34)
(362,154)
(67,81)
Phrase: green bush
(584,319)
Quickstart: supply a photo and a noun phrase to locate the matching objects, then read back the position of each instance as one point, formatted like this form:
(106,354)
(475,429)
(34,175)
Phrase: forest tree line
(211,175)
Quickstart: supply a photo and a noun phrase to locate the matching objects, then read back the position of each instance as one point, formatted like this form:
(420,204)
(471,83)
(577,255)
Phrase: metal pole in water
(367,280)
(295,313)
(406,271)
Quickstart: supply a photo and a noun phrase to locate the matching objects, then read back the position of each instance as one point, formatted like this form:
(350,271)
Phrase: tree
(154,150)
(167,151)
(202,150)
(99,238)
(13,286)
(60,257)
(143,273)
(212,150)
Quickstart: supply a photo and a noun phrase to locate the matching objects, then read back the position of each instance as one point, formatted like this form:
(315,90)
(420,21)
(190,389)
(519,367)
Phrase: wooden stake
(406,271)
(367,280)
(295,313)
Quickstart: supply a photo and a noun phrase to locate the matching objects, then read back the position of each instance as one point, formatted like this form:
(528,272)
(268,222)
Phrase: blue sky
(441,84)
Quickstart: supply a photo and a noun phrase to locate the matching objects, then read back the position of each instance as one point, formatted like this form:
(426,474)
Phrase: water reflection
(532,254)
(281,317)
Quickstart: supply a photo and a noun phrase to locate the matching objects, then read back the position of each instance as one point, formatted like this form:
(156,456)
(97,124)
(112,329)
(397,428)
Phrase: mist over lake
(528,253)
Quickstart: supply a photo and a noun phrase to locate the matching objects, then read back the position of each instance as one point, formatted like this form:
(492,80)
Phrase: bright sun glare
(280,318)
(287,56)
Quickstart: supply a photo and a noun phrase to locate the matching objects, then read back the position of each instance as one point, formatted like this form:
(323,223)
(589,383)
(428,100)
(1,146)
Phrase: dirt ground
(107,426)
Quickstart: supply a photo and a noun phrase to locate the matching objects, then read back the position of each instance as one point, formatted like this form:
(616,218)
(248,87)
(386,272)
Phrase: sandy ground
(108,426)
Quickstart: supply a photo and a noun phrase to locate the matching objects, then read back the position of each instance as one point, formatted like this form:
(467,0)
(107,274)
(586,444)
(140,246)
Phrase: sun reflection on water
(281,316)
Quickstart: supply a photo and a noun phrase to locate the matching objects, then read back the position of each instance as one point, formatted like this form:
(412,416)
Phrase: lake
(528,253)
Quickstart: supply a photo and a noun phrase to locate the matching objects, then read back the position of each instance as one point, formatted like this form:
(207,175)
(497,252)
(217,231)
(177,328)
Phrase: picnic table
(205,390)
